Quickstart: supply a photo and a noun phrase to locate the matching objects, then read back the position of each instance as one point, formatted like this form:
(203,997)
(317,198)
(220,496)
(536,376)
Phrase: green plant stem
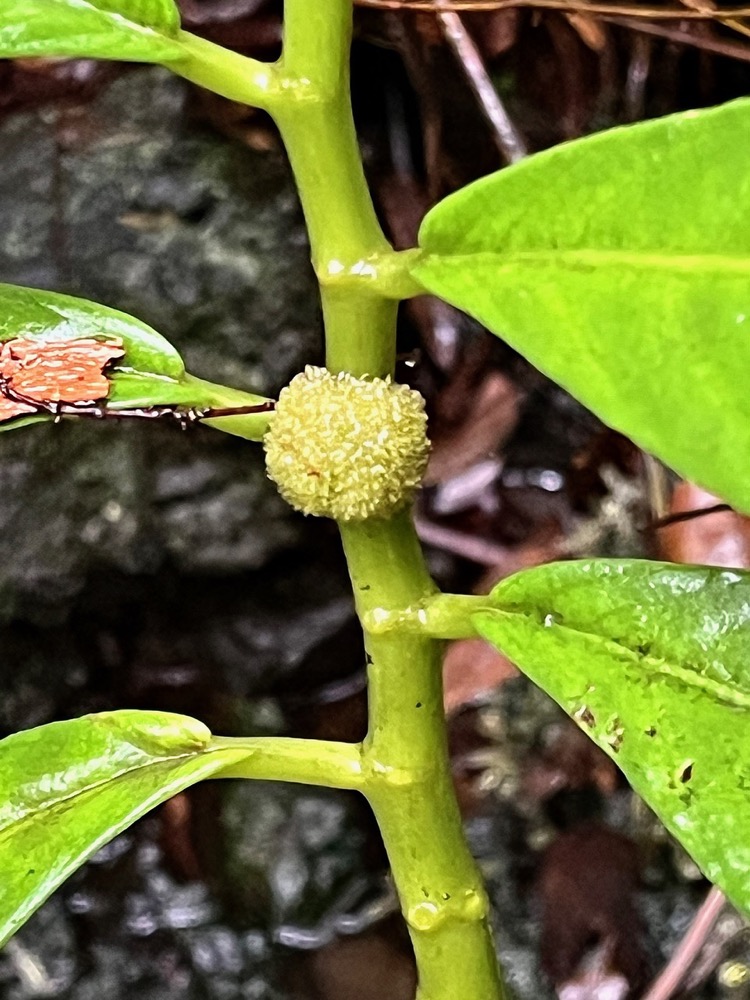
(248,81)
(386,274)
(344,230)
(308,762)
(441,616)
(404,759)
(408,774)
(321,142)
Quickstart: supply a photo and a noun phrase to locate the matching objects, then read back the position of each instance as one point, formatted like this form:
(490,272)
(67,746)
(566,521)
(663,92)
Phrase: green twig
(442,616)
(307,762)
(405,756)
(237,77)
(410,787)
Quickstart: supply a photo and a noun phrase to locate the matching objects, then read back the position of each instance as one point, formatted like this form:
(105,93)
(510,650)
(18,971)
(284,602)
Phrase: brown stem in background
(476,550)
(507,137)
(719,46)
(657,487)
(639,66)
(726,15)
(689,515)
(673,973)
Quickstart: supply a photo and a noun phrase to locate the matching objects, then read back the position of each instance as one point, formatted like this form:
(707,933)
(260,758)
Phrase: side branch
(239,78)
(306,762)
(444,616)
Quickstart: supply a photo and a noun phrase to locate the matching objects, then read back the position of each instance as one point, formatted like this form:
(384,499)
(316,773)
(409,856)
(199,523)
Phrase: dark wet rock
(156,939)
(40,961)
(78,498)
(291,630)
(129,202)
(291,859)
(38,673)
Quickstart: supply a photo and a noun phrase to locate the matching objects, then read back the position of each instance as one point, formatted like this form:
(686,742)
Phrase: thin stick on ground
(458,543)
(725,15)
(508,139)
(719,46)
(669,979)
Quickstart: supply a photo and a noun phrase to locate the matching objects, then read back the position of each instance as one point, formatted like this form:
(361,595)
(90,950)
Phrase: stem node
(430,915)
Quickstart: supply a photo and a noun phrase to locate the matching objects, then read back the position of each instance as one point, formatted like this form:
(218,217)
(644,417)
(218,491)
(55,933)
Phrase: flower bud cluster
(345,447)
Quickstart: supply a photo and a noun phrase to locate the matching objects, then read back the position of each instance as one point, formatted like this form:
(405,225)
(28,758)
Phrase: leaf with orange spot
(59,349)
(10,409)
(65,371)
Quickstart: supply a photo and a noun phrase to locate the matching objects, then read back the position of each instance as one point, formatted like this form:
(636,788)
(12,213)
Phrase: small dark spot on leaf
(446,895)
(31,871)
(686,773)
(418,705)
(425,893)
(365,586)
(651,731)
(615,733)
(643,648)
(586,716)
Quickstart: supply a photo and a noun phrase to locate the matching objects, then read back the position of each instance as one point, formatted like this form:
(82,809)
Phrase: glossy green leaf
(70,787)
(151,373)
(138,30)
(161,15)
(653,661)
(620,266)
(33,312)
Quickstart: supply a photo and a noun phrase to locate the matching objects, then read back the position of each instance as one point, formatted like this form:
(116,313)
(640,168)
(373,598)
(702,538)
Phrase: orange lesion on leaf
(37,373)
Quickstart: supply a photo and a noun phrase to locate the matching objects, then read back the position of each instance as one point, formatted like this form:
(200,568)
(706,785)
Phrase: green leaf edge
(119,37)
(720,867)
(218,757)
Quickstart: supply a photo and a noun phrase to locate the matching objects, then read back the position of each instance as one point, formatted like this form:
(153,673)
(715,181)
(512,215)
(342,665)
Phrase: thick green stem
(402,766)
(344,230)
(345,235)
(408,774)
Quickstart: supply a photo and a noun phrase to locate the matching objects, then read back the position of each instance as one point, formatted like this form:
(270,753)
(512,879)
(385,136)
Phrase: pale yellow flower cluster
(345,447)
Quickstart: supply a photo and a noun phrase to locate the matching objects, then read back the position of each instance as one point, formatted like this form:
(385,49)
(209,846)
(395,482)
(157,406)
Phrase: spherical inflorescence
(345,447)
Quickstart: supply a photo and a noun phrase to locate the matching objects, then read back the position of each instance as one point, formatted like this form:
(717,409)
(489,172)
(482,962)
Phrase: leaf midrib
(726,693)
(590,258)
(51,803)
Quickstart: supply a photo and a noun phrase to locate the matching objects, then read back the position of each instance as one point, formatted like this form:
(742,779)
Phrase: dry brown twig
(669,979)
(507,137)
(720,46)
(702,13)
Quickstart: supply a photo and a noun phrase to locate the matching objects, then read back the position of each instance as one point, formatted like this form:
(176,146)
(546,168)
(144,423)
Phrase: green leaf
(619,265)
(653,661)
(138,30)
(70,787)
(150,374)
(161,15)
(32,312)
